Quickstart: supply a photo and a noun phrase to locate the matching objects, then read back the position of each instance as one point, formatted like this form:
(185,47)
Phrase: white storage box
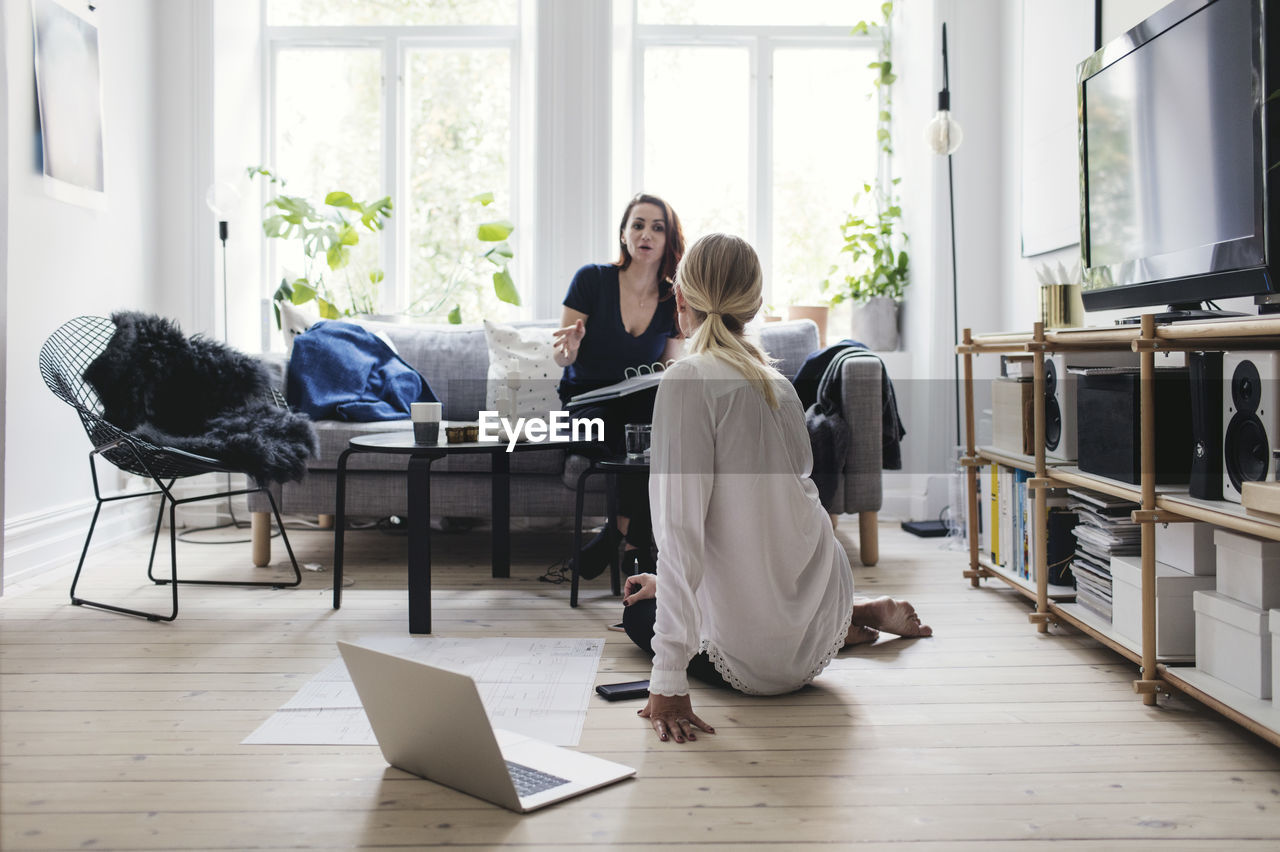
(1187,546)
(1248,568)
(1175,616)
(1011,416)
(1233,643)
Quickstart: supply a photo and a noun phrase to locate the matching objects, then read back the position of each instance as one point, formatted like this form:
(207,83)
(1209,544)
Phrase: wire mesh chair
(63,359)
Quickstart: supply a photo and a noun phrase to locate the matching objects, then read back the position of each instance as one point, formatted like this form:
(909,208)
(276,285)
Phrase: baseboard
(42,542)
(895,504)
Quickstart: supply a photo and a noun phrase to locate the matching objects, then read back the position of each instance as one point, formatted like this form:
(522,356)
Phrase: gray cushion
(790,343)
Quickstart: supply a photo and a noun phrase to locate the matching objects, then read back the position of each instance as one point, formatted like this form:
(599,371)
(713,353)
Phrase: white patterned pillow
(295,319)
(522,361)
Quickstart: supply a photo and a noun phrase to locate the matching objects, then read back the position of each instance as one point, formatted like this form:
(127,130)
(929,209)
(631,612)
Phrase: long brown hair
(672,250)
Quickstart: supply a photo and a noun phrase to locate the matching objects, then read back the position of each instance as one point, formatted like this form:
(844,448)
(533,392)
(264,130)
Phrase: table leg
(420,544)
(577,531)
(340,524)
(500,490)
(611,509)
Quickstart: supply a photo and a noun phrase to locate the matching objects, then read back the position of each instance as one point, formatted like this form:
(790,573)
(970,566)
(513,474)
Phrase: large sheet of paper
(537,687)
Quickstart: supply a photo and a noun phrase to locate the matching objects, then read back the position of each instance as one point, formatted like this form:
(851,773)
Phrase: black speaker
(1060,388)
(1054,407)
(1109,416)
(1251,418)
(1206,424)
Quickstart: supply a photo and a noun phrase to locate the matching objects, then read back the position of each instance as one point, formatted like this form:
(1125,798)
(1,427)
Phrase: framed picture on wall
(69,96)
(1056,37)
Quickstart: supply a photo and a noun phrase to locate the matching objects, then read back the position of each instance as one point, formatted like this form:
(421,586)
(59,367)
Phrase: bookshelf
(1157,504)
(1022,584)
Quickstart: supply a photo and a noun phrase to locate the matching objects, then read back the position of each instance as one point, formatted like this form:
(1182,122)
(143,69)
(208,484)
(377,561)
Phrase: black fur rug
(200,396)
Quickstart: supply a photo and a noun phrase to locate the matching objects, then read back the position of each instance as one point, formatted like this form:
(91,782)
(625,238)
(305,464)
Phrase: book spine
(995,514)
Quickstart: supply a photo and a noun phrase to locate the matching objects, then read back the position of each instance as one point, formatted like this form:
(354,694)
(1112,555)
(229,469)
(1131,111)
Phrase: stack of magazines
(1104,530)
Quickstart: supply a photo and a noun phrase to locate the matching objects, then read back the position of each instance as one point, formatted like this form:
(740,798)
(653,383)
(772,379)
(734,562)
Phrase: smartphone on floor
(621,691)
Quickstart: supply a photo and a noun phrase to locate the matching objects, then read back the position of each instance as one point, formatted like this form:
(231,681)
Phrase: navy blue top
(607,349)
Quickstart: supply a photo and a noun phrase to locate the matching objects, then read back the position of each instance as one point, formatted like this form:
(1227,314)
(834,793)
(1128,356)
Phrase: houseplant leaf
(341,199)
(505,288)
(500,254)
(303,292)
(493,232)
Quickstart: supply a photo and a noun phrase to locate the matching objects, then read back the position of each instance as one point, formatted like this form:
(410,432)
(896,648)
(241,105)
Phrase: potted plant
(808,302)
(327,232)
(874,270)
(494,248)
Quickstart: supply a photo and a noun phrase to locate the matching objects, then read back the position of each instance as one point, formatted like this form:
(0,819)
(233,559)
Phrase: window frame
(394,44)
(761,43)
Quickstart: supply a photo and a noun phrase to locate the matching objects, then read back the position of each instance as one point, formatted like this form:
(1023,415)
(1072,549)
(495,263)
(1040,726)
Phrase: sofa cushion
(453,358)
(790,343)
(522,363)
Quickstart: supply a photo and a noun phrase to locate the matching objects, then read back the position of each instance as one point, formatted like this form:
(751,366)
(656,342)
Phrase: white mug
(426,422)
(425,412)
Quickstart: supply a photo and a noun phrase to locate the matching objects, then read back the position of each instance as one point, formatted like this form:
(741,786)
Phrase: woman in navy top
(616,316)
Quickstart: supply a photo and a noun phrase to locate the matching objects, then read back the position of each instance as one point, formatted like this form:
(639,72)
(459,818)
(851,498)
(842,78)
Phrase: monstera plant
(327,232)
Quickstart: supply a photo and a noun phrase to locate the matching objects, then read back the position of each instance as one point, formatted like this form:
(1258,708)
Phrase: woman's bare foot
(893,616)
(859,635)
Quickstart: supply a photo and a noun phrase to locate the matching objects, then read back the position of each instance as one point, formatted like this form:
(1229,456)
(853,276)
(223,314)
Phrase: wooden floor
(116,733)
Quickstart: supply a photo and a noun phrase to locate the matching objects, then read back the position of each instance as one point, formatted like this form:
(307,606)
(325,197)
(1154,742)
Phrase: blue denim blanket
(342,371)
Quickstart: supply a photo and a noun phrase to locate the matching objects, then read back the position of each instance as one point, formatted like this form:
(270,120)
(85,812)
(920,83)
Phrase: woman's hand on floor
(672,717)
(638,587)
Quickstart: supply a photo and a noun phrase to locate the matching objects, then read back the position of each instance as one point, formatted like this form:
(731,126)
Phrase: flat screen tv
(1175,192)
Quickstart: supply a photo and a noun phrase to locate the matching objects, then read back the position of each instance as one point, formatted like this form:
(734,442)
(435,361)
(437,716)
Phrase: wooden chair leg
(868,538)
(260,531)
(324,522)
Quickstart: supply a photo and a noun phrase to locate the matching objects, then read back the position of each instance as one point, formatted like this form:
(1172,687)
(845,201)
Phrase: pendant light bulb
(943,134)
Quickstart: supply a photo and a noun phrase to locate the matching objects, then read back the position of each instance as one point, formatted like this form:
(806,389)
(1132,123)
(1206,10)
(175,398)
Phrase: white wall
(924,374)
(65,260)
(4,269)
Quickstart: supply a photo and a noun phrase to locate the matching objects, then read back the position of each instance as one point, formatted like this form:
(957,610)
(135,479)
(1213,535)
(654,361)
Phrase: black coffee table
(421,457)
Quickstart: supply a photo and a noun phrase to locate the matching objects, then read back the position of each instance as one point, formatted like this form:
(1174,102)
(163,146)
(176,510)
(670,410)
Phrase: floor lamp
(943,135)
(222,198)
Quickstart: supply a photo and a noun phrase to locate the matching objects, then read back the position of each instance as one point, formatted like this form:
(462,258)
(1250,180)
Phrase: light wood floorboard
(117,733)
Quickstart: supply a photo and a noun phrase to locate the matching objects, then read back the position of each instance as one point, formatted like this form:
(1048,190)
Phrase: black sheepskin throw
(200,396)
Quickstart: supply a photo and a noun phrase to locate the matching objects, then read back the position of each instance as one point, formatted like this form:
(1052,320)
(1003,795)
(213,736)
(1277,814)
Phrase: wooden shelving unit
(1157,505)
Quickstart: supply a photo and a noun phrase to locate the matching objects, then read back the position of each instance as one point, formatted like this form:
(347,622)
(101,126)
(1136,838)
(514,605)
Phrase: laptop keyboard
(529,781)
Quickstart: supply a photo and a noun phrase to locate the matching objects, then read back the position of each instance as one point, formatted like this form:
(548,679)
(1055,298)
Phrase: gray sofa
(455,359)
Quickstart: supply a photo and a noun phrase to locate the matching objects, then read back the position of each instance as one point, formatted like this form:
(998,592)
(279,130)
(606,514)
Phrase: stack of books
(1103,530)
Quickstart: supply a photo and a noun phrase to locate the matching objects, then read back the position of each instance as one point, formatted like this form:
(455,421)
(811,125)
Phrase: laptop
(430,722)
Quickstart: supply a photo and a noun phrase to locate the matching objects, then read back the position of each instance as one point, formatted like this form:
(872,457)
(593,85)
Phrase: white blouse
(749,569)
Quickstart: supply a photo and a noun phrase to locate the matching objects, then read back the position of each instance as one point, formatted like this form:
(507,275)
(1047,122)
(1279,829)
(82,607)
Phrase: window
(327,99)
(780,136)
(416,99)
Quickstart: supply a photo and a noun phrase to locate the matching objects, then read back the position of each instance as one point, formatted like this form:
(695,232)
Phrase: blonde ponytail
(721,281)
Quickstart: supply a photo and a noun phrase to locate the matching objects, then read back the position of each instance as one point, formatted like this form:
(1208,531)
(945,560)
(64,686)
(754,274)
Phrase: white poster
(69,93)
(1057,37)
